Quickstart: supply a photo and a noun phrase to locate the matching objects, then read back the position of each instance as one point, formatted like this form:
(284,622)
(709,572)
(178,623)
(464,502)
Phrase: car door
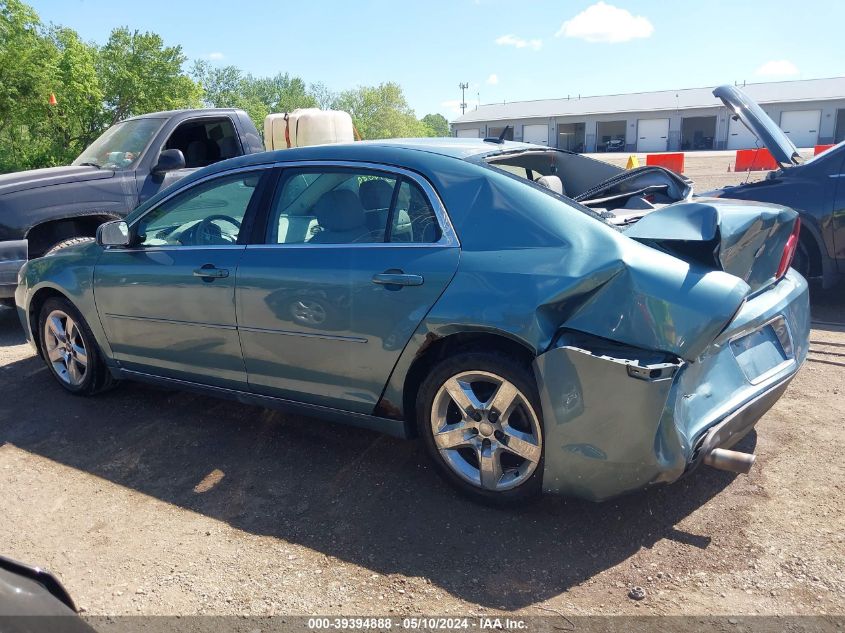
(350,260)
(167,302)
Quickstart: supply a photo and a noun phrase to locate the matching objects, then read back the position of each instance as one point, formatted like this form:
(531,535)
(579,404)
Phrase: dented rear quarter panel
(606,433)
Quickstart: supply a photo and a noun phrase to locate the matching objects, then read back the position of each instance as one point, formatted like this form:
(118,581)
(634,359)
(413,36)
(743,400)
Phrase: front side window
(349,206)
(208,214)
(205,141)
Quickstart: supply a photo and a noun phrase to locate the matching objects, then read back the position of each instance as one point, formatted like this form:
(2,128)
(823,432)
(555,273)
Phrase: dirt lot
(158,502)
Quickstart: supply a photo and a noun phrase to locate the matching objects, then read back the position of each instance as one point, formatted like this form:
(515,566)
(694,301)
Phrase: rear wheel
(802,262)
(480,419)
(70,351)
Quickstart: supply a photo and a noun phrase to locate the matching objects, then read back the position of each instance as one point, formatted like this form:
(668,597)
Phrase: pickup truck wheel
(480,419)
(70,350)
(72,241)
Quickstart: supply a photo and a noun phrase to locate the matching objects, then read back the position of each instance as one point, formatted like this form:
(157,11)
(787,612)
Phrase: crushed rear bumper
(619,419)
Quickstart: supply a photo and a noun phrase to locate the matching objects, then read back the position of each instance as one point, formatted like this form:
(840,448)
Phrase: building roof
(763,93)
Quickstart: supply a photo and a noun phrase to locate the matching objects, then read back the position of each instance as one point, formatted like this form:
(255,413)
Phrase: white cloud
(493,79)
(518,42)
(777,68)
(603,22)
(215,56)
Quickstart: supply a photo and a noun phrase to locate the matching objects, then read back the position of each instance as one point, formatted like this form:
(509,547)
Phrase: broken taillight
(789,249)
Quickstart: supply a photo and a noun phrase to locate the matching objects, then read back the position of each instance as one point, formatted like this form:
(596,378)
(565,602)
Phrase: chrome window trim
(448,237)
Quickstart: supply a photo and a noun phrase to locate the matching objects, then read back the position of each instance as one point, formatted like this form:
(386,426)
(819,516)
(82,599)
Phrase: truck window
(205,141)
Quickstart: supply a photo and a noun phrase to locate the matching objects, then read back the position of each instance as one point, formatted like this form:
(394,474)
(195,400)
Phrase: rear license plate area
(765,351)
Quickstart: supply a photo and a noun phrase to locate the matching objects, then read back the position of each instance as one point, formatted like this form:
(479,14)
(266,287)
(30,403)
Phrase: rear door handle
(397,279)
(210,271)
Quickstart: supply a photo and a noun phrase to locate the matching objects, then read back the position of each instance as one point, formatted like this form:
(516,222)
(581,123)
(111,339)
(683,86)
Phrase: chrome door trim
(330,337)
(170,321)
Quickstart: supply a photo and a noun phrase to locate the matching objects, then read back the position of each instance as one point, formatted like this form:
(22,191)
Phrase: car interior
(206,215)
(618,195)
(205,142)
(345,208)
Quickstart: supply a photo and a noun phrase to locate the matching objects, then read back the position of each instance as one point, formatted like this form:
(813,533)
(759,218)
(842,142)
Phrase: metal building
(810,111)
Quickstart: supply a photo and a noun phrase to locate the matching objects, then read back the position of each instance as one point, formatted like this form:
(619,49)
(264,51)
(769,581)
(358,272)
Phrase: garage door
(801,126)
(471,133)
(740,137)
(652,135)
(538,134)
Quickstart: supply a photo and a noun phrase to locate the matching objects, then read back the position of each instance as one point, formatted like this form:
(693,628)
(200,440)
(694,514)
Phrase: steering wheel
(204,234)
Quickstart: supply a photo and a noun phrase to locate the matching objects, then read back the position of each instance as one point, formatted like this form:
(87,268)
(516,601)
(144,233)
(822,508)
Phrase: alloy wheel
(65,348)
(486,430)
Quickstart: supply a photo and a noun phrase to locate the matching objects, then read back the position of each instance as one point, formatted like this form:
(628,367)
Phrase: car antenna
(500,139)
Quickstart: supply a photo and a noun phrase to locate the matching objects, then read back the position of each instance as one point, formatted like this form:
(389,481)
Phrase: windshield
(121,145)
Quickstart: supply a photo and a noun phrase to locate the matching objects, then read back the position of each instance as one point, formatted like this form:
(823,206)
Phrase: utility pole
(463,88)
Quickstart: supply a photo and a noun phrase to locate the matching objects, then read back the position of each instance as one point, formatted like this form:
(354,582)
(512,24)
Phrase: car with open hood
(450,289)
(814,188)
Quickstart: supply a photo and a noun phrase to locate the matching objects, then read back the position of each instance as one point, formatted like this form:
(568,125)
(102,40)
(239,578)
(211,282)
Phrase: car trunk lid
(746,239)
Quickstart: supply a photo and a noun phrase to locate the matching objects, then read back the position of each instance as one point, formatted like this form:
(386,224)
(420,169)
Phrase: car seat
(341,218)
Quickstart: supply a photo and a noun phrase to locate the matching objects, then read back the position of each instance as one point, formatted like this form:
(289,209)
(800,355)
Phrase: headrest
(375,194)
(551,182)
(339,210)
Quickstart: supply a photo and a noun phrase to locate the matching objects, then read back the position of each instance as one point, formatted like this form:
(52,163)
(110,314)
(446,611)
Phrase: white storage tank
(307,126)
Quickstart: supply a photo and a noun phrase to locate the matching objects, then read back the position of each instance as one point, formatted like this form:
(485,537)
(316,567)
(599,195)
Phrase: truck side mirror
(169,160)
(114,233)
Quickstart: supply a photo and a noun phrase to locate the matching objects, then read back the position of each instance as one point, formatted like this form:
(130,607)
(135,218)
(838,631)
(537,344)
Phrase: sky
(507,50)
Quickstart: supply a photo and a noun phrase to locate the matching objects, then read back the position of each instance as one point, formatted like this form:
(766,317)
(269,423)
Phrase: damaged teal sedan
(541,320)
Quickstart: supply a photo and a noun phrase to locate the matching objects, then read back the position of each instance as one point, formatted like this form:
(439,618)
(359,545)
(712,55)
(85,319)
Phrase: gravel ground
(145,501)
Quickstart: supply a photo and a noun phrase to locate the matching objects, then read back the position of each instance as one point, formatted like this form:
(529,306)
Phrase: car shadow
(367,499)
(11,332)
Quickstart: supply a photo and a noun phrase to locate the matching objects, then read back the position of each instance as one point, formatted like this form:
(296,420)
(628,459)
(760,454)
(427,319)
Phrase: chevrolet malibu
(473,293)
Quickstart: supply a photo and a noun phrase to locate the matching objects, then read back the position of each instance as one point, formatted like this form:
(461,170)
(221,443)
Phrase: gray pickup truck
(44,209)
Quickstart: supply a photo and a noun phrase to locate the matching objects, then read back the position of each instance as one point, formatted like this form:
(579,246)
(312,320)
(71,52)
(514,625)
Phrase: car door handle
(210,271)
(397,279)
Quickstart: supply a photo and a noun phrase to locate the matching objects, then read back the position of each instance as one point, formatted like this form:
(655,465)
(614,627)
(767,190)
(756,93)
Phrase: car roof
(187,113)
(390,151)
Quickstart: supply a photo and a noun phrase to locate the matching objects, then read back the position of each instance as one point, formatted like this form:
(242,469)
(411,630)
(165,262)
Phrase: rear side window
(328,205)
(413,218)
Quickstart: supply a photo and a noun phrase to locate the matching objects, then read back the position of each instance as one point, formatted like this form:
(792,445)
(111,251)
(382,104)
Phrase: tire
(77,364)
(511,440)
(71,241)
(801,261)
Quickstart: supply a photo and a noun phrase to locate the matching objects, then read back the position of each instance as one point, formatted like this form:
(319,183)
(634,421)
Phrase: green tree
(323,95)
(27,61)
(77,118)
(436,124)
(381,112)
(229,87)
(139,74)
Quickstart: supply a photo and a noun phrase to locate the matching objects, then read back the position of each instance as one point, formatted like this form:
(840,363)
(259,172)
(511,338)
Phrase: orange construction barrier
(754,160)
(675,162)
(821,148)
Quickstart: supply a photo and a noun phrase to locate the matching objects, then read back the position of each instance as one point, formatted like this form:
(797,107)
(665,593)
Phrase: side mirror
(169,160)
(114,233)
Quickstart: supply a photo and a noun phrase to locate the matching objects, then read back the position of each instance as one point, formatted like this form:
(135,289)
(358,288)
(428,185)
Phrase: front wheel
(70,351)
(479,416)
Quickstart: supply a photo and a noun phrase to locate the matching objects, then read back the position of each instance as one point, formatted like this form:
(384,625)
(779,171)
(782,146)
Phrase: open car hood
(760,124)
